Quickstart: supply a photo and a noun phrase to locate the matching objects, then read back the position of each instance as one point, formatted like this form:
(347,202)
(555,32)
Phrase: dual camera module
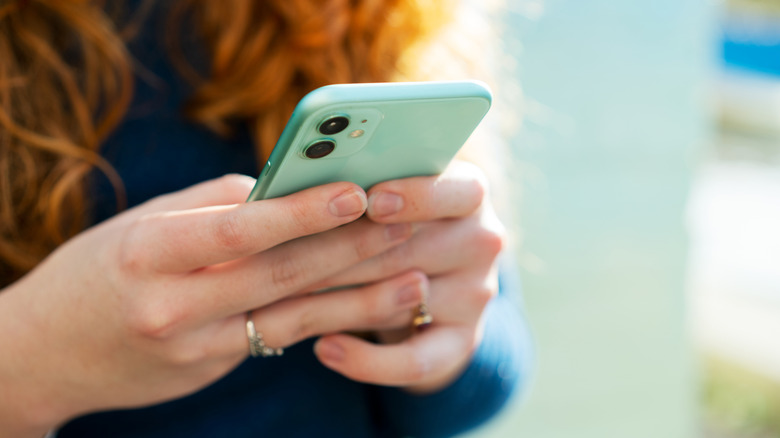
(330,126)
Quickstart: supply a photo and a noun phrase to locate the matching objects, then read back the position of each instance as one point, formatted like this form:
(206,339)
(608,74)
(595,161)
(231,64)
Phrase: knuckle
(235,183)
(492,240)
(230,230)
(183,354)
(133,253)
(477,185)
(481,184)
(229,188)
(286,271)
(478,190)
(305,328)
(152,320)
(482,295)
(300,218)
(364,247)
(298,213)
(158,201)
(374,312)
(366,240)
(396,259)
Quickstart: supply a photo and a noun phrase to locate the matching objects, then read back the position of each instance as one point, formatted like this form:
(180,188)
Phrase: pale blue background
(614,115)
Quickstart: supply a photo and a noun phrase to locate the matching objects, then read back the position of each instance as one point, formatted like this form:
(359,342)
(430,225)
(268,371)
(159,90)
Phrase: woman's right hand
(151,305)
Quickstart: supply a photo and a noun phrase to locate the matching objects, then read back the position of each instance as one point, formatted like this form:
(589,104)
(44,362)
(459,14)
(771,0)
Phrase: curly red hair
(66,81)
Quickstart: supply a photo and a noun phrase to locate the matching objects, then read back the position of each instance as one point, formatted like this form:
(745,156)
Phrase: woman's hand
(456,243)
(151,305)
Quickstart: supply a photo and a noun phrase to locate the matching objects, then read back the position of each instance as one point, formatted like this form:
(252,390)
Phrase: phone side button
(266,169)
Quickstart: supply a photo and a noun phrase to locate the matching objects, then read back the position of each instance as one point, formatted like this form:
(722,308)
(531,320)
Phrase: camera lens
(333,125)
(320,149)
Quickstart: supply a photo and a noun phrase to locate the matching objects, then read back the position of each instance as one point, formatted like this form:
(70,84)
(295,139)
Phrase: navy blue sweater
(156,151)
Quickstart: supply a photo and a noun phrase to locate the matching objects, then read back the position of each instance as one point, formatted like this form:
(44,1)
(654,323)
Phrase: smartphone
(369,133)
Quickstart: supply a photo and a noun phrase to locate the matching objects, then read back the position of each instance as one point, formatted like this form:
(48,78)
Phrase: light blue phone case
(395,130)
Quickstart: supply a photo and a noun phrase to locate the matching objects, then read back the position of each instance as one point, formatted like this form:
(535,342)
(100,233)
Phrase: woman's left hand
(456,244)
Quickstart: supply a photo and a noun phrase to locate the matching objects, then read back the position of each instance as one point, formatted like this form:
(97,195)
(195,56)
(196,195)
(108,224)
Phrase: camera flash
(357,133)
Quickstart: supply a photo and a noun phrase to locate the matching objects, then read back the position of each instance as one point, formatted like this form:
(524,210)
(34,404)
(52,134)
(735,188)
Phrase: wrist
(24,411)
(27,406)
(15,430)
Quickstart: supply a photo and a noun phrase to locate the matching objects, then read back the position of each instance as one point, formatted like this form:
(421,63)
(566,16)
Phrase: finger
(436,248)
(182,241)
(226,190)
(461,298)
(275,274)
(386,304)
(457,192)
(455,299)
(383,305)
(423,357)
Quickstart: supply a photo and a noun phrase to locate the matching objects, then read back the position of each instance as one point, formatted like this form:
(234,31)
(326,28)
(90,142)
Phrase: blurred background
(648,166)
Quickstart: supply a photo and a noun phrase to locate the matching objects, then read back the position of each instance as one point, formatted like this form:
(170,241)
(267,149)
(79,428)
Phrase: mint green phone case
(395,130)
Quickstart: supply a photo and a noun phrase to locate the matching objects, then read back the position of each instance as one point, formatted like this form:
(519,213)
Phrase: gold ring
(423,318)
(257,345)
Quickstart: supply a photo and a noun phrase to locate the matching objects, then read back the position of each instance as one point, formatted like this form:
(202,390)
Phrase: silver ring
(257,345)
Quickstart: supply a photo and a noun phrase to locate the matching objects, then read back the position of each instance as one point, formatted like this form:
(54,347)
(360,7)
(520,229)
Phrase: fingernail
(394,232)
(330,351)
(384,204)
(410,294)
(348,203)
